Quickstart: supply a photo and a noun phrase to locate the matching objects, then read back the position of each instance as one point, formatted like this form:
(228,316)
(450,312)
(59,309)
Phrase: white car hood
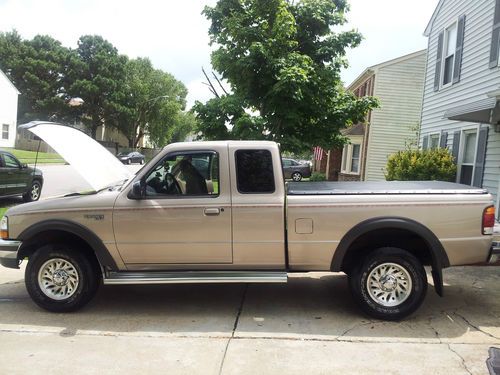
(91,160)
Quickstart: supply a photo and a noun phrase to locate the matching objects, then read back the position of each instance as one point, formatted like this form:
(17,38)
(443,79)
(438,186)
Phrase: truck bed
(379,188)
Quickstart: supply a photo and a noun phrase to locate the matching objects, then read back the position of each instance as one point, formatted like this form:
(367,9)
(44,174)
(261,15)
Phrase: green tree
(151,103)
(96,72)
(37,68)
(282,60)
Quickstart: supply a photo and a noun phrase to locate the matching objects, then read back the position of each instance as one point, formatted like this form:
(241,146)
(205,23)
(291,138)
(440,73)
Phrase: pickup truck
(220,212)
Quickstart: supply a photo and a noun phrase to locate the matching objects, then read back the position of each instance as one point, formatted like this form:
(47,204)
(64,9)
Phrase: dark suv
(19,179)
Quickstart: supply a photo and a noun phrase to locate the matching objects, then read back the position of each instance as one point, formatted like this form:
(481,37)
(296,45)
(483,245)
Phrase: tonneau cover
(380,187)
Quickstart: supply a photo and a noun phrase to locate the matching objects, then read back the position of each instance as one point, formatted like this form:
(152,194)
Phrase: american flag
(318,153)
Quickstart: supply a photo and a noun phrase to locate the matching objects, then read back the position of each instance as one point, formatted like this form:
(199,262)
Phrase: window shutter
(439,57)
(425,142)
(480,157)
(444,140)
(495,36)
(457,67)
(456,145)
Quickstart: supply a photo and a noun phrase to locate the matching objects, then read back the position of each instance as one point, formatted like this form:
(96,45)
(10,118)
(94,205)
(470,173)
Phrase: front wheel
(33,194)
(60,278)
(390,284)
(296,176)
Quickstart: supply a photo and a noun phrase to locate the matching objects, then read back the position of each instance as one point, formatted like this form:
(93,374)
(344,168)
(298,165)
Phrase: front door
(185,216)
(16,181)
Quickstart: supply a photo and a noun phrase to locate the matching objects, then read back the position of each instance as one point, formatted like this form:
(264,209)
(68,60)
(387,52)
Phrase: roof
(10,82)
(357,129)
(433,17)
(371,70)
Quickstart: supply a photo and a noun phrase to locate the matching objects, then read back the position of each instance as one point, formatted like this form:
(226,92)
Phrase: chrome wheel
(296,176)
(58,279)
(389,284)
(35,191)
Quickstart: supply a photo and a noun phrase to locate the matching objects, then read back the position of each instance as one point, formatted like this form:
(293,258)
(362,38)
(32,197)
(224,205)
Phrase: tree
(37,68)
(96,72)
(282,60)
(150,104)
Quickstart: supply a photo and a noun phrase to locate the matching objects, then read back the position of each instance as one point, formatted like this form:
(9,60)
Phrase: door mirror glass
(138,190)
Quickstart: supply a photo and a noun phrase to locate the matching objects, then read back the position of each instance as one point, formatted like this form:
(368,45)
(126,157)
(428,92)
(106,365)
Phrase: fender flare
(103,256)
(439,258)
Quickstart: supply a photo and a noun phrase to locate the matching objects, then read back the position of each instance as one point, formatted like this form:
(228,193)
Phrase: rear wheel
(142,161)
(390,284)
(60,278)
(129,161)
(33,194)
(296,176)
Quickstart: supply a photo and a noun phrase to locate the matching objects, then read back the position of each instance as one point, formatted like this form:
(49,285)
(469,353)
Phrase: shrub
(317,176)
(421,165)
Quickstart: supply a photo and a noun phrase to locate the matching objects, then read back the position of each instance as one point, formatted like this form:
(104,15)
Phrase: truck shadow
(317,307)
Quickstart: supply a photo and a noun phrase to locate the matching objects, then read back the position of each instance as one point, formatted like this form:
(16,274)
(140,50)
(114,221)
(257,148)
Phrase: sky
(173,33)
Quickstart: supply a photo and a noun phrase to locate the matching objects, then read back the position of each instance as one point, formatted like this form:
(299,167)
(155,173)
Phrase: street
(308,325)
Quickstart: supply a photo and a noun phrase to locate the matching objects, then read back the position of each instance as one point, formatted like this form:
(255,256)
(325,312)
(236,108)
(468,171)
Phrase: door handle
(212,211)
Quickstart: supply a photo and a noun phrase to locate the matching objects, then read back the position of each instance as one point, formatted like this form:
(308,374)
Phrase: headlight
(4,228)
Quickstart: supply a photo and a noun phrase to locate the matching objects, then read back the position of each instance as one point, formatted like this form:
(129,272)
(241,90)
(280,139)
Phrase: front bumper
(494,252)
(8,253)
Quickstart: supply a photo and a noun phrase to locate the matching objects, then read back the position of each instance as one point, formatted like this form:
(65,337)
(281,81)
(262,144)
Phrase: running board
(194,277)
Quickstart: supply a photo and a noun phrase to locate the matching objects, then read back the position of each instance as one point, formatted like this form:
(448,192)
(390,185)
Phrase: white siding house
(462,89)
(398,84)
(8,111)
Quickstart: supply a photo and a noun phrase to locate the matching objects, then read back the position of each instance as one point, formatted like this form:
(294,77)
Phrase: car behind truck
(220,212)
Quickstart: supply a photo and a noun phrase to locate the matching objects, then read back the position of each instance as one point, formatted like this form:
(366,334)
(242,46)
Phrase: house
(461,107)
(8,111)
(398,84)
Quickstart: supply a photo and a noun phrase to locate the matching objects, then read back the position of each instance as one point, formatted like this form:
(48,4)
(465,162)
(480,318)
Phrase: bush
(421,165)
(316,176)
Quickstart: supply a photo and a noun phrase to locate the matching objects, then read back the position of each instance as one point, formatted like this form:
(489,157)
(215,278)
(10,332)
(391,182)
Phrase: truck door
(185,216)
(258,207)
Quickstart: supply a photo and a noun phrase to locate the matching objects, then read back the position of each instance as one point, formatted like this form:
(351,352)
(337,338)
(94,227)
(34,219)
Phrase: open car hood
(90,159)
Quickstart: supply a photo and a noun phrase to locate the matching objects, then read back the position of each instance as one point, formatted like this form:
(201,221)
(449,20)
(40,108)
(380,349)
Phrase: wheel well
(60,237)
(387,237)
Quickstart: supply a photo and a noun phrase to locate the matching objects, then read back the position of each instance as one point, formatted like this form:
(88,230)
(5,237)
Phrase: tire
(33,194)
(404,288)
(142,161)
(78,278)
(129,161)
(296,176)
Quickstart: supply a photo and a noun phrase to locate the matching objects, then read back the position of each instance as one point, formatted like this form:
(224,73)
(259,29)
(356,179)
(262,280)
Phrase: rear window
(254,171)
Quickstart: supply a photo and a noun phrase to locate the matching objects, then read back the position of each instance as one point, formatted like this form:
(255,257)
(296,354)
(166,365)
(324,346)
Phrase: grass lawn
(28,157)
(2,211)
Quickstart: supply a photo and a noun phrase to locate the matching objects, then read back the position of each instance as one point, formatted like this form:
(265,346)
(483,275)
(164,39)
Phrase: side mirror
(24,166)
(138,190)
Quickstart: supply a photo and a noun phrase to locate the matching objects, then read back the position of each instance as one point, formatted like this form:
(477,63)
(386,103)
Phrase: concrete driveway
(309,325)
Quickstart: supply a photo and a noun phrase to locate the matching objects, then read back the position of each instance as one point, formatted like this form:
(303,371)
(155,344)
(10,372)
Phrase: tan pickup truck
(220,212)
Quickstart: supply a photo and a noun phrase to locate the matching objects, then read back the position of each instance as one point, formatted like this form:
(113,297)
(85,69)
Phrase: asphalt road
(309,325)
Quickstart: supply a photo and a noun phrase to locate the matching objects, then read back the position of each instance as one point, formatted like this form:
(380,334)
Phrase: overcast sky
(173,34)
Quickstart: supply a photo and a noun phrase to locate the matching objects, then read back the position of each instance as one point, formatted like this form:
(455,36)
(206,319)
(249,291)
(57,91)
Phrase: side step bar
(194,277)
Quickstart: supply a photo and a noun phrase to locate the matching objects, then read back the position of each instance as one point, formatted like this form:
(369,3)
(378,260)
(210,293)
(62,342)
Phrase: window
(434,141)
(450,44)
(351,158)
(468,157)
(5,131)
(10,162)
(185,174)
(254,171)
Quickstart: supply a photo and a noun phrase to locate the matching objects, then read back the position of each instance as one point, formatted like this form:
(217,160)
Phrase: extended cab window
(254,171)
(185,174)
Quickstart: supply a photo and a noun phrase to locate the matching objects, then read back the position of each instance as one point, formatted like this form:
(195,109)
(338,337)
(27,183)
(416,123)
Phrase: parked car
(294,170)
(131,157)
(19,179)
(165,224)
